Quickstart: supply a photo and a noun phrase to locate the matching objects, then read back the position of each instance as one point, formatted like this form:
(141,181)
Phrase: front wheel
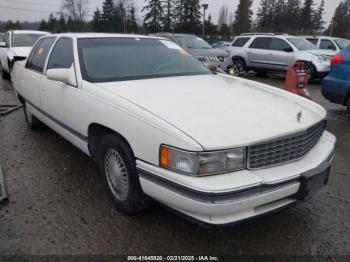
(32,121)
(118,169)
(238,66)
(312,71)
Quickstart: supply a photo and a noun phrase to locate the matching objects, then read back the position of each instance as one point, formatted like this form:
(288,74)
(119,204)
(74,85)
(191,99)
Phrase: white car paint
(194,113)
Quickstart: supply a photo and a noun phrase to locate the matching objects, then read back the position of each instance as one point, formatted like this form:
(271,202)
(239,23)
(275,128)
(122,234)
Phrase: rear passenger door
(281,54)
(60,100)
(259,53)
(32,76)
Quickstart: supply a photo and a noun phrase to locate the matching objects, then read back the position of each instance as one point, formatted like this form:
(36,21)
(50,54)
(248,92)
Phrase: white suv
(16,46)
(335,44)
(271,52)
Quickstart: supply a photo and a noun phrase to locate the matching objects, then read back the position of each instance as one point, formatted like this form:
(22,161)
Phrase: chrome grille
(284,149)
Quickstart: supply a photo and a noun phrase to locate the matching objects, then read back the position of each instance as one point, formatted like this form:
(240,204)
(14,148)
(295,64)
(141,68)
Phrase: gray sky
(32,10)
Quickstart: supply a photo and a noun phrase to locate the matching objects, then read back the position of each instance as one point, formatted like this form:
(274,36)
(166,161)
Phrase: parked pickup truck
(163,127)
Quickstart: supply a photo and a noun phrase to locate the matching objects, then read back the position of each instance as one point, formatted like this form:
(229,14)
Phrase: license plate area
(311,183)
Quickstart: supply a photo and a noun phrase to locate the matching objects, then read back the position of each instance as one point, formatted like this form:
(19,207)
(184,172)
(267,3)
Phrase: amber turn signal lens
(164,156)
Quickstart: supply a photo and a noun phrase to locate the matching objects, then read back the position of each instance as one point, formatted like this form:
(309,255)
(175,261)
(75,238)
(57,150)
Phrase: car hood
(321,52)
(220,111)
(21,51)
(207,52)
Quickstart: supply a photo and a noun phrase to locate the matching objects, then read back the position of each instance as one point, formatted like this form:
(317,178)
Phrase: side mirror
(288,50)
(2,45)
(64,75)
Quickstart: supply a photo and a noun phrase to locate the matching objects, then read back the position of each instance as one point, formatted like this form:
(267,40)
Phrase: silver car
(272,52)
(335,44)
(200,49)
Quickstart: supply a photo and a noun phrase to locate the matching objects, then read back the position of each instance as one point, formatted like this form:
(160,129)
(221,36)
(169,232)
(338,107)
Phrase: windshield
(25,40)
(192,42)
(342,43)
(118,59)
(301,44)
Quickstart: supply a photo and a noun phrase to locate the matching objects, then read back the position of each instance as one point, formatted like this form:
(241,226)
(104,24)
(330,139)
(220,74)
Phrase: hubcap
(117,174)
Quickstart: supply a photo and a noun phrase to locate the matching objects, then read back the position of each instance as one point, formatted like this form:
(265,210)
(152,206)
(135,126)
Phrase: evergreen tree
(43,25)
(61,27)
(210,28)
(169,16)
(279,18)
(265,15)
(243,17)
(191,16)
(154,17)
(107,15)
(178,13)
(306,17)
(318,18)
(96,21)
(131,21)
(70,25)
(52,24)
(292,12)
(341,20)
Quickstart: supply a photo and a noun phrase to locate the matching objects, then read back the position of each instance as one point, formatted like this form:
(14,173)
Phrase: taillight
(337,59)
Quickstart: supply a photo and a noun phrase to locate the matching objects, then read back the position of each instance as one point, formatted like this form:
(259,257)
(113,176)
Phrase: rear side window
(261,43)
(240,42)
(39,54)
(313,41)
(327,44)
(279,45)
(62,55)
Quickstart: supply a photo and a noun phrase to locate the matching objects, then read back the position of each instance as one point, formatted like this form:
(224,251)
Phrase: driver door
(281,54)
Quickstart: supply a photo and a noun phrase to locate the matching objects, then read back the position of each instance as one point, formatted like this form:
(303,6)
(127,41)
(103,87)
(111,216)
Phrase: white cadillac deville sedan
(161,126)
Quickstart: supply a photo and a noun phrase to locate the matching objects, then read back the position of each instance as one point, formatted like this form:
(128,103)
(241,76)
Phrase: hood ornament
(299,116)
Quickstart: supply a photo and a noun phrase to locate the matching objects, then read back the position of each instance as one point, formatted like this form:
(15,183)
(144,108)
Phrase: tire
(120,177)
(32,121)
(4,74)
(312,70)
(238,66)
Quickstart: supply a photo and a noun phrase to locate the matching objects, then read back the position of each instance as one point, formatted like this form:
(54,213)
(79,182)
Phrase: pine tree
(279,18)
(292,12)
(107,15)
(318,18)
(191,16)
(243,17)
(210,28)
(154,17)
(52,24)
(169,16)
(70,25)
(341,20)
(178,14)
(43,25)
(96,21)
(62,24)
(131,21)
(306,17)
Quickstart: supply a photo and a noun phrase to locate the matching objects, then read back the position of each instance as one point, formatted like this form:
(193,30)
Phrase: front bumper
(229,198)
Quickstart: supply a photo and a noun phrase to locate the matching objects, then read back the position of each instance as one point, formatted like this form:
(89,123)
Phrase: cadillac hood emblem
(299,116)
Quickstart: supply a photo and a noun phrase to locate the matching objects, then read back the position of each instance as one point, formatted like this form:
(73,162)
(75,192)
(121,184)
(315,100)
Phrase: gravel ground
(58,206)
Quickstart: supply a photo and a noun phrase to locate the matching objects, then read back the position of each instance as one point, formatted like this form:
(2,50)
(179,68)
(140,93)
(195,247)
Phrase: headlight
(324,58)
(202,163)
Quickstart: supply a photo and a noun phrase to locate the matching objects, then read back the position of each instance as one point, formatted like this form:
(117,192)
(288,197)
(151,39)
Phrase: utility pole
(205,7)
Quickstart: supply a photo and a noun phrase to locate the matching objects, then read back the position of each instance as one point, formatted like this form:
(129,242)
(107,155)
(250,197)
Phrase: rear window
(25,40)
(240,42)
(313,41)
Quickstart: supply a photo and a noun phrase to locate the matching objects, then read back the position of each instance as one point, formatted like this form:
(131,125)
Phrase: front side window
(192,42)
(24,40)
(118,59)
(240,42)
(37,58)
(62,55)
(261,43)
(327,45)
(301,44)
(279,45)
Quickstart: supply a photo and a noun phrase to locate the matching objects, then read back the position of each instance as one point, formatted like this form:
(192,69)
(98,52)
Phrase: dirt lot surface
(58,206)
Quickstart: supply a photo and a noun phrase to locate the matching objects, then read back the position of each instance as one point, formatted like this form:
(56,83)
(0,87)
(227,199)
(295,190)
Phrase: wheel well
(240,58)
(95,133)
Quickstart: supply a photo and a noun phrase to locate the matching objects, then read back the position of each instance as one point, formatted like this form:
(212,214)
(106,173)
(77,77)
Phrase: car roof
(17,32)
(103,35)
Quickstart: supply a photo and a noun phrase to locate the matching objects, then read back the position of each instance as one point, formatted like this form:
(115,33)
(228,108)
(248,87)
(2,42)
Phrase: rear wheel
(312,71)
(118,169)
(239,66)
(31,120)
